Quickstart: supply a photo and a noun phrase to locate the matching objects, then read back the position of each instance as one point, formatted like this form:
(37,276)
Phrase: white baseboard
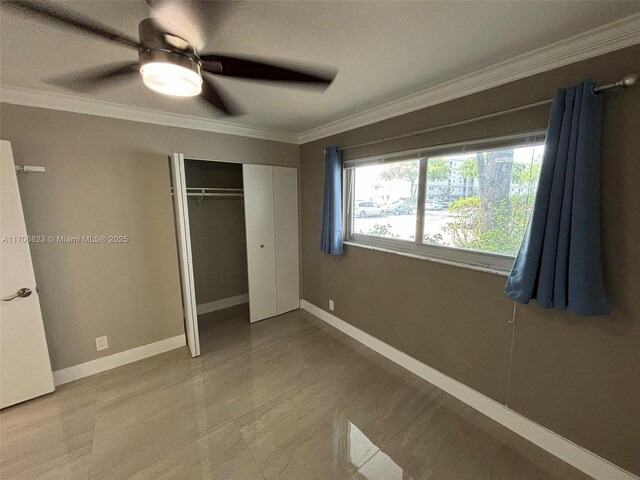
(98,365)
(222,303)
(573,454)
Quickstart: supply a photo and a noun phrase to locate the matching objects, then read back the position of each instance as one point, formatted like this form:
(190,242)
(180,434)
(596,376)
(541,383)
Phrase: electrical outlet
(331,305)
(102,343)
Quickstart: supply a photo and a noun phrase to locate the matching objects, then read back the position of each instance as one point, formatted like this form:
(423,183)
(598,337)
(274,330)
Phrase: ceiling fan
(167,63)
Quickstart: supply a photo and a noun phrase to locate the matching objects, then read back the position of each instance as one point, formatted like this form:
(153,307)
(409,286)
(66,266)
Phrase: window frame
(485,261)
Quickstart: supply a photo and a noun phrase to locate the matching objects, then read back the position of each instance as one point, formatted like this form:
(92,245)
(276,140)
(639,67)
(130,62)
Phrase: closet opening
(215,204)
(237,243)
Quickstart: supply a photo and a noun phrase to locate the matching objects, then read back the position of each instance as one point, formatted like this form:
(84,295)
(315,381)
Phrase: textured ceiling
(382,50)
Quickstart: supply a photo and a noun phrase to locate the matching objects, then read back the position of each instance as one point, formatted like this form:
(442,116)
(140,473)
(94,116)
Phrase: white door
(285,202)
(261,250)
(25,368)
(184,253)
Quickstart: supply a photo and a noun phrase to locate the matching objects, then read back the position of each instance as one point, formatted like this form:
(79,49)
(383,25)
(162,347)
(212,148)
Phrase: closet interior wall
(218,239)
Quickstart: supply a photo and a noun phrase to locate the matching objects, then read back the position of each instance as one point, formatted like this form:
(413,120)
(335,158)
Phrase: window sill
(429,258)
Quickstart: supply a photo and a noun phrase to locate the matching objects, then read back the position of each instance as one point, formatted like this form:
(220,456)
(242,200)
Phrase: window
(466,203)
(386,200)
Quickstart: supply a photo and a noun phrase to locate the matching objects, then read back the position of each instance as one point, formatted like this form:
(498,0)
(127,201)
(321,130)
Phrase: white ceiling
(382,50)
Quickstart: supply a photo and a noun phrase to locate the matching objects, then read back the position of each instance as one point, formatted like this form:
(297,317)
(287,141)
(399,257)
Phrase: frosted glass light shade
(171,79)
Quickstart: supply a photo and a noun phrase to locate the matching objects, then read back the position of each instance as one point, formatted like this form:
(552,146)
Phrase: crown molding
(604,39)
(73,103)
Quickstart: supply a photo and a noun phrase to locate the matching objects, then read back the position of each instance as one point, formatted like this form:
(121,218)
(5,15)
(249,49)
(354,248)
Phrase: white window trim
(455,256)
(474,260)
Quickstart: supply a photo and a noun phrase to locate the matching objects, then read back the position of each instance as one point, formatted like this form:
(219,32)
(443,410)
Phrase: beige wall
(218,237)
(108,176)
(577,376)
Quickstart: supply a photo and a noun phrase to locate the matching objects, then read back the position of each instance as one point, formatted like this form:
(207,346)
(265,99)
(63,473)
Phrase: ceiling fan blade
(94,78)
(244,67)
(213,96)
(61,17)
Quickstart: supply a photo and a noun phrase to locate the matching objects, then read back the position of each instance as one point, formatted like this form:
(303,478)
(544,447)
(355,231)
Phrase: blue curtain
(331,241)
(559,262)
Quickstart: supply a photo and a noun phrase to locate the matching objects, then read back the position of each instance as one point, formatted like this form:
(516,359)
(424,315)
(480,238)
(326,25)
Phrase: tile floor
(286,398)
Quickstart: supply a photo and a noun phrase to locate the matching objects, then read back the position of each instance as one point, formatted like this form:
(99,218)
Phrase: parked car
(401,207)
(369,209)
(435,205)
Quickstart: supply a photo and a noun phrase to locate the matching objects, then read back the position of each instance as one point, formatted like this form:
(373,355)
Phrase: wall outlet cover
(331,305)
(102,343)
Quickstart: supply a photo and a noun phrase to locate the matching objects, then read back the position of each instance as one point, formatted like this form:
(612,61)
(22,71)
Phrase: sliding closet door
(184,249)
(285,188)
(261,251)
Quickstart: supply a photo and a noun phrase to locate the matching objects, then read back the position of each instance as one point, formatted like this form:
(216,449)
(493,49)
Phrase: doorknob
(22,293)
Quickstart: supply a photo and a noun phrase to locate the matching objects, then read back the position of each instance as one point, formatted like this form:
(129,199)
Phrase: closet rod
(201,192)
(213,190)
(630,80)
(210,191)
(230,195)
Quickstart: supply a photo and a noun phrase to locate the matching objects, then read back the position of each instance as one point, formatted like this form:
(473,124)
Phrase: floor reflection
(285,398)
(360,447)
(379,466)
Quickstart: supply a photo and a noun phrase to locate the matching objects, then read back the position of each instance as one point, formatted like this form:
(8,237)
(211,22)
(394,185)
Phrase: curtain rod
(630,80)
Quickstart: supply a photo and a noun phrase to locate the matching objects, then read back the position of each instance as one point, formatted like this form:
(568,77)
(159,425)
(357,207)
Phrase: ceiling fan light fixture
(171,79)
(170,74)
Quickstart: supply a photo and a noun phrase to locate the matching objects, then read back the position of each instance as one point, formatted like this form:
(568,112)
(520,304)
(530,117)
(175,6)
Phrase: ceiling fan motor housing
(153,37)
(154,40)
(166,68)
